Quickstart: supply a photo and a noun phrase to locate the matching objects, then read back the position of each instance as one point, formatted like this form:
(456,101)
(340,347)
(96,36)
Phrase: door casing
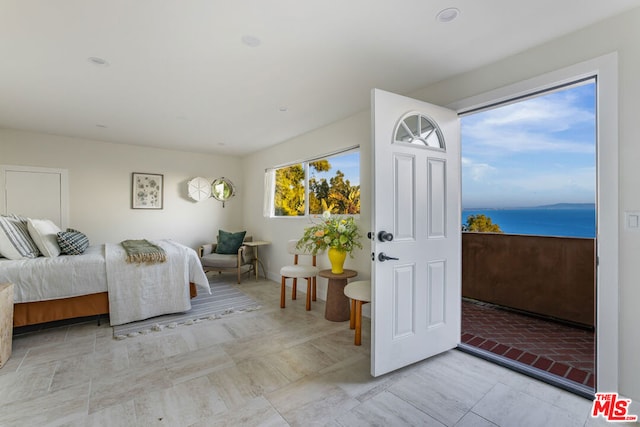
(605,69)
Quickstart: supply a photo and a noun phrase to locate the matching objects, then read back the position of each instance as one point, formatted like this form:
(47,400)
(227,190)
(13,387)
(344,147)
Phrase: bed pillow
(15,240)
(229,243)
(45,233)
(72,242)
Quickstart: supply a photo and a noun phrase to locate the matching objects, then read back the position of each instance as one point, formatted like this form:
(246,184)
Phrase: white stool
(360,293)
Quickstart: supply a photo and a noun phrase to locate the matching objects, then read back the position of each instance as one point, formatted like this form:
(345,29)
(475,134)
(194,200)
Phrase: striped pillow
(72,242)
(15,240)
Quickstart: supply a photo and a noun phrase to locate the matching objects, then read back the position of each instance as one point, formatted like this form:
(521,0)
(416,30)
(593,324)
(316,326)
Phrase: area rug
(224,300)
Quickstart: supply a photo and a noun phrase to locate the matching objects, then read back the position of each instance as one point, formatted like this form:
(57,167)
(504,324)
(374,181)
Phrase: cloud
(529,187)
(477,171)
(581,180)
(559,122)
(533,152)
(552,114)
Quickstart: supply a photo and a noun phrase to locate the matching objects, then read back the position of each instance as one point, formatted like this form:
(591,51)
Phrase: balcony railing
(552,277)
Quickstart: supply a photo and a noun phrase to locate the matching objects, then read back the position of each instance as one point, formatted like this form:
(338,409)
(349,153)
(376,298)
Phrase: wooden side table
(337,306)
(6,321)
(255,244)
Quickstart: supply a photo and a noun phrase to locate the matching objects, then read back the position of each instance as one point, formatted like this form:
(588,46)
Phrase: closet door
(35,192)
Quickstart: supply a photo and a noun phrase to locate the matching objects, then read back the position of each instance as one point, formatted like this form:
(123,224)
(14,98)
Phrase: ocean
(542,221)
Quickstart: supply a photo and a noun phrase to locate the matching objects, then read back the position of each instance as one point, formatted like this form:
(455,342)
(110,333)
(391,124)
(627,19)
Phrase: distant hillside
(588,206)
(566,206)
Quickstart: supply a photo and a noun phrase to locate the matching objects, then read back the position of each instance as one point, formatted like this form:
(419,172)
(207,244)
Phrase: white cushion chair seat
(299,271)
(360,293)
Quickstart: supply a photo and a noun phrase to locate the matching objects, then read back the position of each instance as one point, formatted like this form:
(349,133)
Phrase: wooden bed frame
(31,313)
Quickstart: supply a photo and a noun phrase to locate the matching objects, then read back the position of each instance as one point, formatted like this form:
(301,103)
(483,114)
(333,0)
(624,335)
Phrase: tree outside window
(333,185)
(289,193)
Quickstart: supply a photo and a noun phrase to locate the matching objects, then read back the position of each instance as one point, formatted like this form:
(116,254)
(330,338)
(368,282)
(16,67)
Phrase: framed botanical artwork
(147,190)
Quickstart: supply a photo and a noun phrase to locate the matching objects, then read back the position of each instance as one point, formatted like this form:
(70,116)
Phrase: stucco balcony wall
(548,276)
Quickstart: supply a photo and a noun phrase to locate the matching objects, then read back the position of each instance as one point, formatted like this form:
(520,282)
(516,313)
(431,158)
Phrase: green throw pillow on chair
(229,243)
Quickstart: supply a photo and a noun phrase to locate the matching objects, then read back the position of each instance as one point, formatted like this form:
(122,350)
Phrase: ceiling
(236,76)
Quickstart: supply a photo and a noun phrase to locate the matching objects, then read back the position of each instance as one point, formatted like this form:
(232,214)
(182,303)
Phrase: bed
(100,281)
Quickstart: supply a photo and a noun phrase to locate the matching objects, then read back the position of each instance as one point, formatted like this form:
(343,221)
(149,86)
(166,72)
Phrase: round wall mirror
(222,189)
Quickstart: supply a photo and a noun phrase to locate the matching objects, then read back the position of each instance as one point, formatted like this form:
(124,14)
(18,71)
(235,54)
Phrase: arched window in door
(418,129)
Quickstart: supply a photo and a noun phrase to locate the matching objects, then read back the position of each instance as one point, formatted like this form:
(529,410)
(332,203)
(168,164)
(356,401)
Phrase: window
(418,129)
(311,187)
(288,199)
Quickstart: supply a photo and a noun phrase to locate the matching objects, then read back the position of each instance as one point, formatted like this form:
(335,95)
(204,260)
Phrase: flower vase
(336,258)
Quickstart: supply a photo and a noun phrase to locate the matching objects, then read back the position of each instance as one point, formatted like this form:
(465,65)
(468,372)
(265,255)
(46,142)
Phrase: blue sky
(534,152)
(348,163)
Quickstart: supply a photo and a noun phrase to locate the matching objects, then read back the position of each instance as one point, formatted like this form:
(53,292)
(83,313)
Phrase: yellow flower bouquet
(333,232)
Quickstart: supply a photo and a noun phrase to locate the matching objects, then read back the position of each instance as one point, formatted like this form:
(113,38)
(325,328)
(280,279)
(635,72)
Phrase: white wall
(339,135)
(100,187)
(619,34)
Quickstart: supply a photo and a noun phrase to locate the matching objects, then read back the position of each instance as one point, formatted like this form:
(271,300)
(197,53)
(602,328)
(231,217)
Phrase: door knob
(383,257)
(384,236)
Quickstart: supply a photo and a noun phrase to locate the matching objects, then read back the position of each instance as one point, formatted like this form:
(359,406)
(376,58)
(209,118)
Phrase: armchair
(241,262)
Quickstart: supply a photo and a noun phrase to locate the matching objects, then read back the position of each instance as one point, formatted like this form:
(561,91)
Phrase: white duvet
(139,291)
(64,276)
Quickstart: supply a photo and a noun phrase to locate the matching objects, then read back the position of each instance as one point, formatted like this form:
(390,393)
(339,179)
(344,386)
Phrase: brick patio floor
(559,349)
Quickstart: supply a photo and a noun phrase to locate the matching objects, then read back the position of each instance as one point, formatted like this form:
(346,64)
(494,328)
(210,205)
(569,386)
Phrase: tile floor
(558,349)
(269,367)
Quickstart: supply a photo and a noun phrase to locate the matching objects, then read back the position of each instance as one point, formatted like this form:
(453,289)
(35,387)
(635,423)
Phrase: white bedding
(65,276)
(140,291)
(101,269)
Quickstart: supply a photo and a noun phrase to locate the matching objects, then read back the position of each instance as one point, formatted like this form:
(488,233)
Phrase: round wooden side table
(337,306)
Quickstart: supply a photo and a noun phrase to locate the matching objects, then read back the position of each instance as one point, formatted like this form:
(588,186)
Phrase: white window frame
(269,183)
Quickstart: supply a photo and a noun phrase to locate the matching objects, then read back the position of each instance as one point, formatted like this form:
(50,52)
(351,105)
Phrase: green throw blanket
(139,251)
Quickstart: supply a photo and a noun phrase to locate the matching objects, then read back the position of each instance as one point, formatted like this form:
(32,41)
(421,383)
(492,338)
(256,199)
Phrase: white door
(416,219)
(35,192)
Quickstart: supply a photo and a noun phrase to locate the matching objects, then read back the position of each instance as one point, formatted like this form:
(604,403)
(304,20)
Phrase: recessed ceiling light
(447,15)
(251,41)
(98,61)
